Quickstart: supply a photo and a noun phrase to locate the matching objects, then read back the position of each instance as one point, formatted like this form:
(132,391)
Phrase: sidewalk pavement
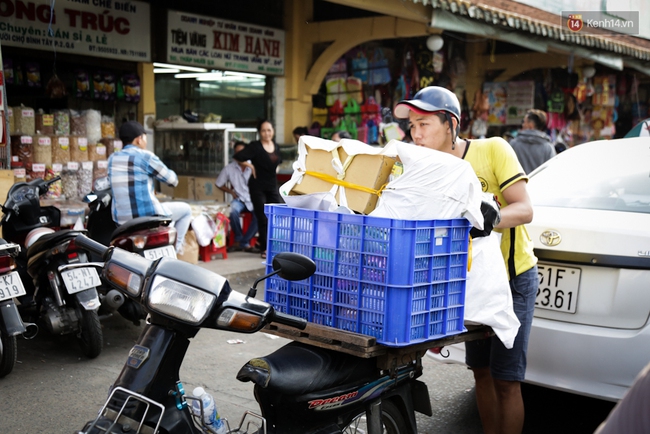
(240,267)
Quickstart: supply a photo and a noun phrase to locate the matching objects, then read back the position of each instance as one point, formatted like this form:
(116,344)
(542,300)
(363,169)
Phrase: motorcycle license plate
(11,286)
(166,251)
(80,279)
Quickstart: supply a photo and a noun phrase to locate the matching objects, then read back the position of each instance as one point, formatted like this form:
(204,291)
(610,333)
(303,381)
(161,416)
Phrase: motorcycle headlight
(179,301)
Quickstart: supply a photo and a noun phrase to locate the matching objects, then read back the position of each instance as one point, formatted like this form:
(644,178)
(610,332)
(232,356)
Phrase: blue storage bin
(401,281)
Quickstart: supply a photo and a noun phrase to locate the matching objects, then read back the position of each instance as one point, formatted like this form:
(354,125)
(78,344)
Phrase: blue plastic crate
(401,281)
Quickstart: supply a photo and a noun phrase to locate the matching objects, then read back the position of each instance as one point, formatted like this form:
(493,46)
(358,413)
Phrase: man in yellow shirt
(434,116)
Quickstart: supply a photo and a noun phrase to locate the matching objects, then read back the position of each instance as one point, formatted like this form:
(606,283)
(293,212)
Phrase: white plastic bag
(488,299)
(204,228)
(434,185)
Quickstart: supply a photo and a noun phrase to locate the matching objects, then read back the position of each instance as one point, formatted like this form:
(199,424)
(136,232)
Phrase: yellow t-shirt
(497,168)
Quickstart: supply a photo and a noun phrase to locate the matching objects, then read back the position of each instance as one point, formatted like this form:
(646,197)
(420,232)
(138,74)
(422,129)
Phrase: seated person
(131,173)
(236,175)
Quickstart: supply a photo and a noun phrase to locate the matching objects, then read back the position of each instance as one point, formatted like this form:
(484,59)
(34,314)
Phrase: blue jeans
(236,208)
(509,364)
(181,214)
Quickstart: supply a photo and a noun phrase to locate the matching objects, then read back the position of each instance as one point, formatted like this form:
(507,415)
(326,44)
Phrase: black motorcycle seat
(296,369)
(48,241)
(140,223)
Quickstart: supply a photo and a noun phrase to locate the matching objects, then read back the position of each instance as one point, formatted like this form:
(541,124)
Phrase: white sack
(204,228)
(434,185)
(488,299)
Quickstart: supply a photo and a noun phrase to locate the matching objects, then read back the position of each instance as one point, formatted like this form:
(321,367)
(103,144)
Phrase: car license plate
(167,251)
(80,279)
(11,286)
(558,288)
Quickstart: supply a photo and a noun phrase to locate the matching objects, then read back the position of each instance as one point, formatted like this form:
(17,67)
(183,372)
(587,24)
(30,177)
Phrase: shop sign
(100,28)
(214,43)
(521,98)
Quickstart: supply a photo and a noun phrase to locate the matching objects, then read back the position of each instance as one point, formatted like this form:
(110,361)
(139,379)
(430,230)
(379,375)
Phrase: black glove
(491,217)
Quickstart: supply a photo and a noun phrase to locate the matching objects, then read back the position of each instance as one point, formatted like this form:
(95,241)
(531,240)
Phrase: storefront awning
(528,21)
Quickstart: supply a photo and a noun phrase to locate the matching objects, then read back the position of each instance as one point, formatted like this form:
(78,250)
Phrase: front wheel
(8,353)
(391,418)
(90,336)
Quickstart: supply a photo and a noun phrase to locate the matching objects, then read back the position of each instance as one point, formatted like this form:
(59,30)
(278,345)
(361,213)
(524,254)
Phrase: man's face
(429,131)
(141,141)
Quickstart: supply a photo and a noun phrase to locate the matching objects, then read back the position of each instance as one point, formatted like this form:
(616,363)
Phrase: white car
(591,229)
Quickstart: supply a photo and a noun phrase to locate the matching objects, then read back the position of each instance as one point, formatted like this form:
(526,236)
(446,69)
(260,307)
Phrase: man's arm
(162,173)
(519,210)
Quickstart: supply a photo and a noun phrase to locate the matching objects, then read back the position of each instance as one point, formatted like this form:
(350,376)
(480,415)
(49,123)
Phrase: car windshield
(604,175)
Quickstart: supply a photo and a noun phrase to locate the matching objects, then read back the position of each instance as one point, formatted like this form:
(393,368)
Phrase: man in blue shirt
(132,172)
(233,179)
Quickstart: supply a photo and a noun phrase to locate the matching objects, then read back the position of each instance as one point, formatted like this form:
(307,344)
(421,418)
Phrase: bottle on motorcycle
(211,417)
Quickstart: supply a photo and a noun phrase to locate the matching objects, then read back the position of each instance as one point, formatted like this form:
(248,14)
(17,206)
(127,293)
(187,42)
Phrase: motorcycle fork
(152,370)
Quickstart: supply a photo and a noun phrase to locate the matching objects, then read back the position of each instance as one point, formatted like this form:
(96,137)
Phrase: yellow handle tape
(469,254)
(346,184)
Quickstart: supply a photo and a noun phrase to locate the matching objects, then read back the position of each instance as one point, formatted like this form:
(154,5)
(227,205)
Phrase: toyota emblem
(550,238)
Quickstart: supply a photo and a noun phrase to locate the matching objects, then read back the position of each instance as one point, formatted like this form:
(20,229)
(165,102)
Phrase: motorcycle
(300,388)
(66,302)
(11,325)
(150,237)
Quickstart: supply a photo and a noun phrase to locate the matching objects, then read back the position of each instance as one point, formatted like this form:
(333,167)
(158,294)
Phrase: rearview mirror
(293,266)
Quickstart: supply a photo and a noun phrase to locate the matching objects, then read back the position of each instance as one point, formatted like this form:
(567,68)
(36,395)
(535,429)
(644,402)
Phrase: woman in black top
(264,156)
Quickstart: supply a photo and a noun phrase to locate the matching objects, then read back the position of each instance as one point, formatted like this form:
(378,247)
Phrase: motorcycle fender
(88,299)
(10,322)
(421,399)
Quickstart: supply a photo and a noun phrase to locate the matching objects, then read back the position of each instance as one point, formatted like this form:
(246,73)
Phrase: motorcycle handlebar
(92,245)
(290,320)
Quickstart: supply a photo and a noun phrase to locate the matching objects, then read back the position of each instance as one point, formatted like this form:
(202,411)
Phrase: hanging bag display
(336,91)
(353,110)
(378,71)
(360,67)
(355,89)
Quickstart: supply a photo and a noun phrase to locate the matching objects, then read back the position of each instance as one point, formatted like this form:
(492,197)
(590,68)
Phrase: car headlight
(179,301)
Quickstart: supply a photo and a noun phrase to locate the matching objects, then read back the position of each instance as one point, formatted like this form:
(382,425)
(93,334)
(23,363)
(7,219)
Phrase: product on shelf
(100,169)
(22,147)
(42,148)
(77,124)
(60,149)
(96,152)
(35,170)
(93,120)
(112,145)
(62,122)
(69,180)
(108,127)
(53,171)
(44,123)
(85,178)
(78,148)
(24,120)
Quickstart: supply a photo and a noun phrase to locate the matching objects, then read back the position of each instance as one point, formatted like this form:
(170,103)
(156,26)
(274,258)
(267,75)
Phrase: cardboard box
(371,171)
(190,249)
(205,189)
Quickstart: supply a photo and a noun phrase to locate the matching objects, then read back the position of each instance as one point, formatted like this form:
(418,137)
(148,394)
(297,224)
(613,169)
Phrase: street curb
(246,278)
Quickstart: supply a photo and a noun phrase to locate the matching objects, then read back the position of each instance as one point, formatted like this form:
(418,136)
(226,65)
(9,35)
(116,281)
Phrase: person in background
(131,173)
(299,131)
(233,179)
(263,157)
(339,135)
(434,117)
(532,145)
